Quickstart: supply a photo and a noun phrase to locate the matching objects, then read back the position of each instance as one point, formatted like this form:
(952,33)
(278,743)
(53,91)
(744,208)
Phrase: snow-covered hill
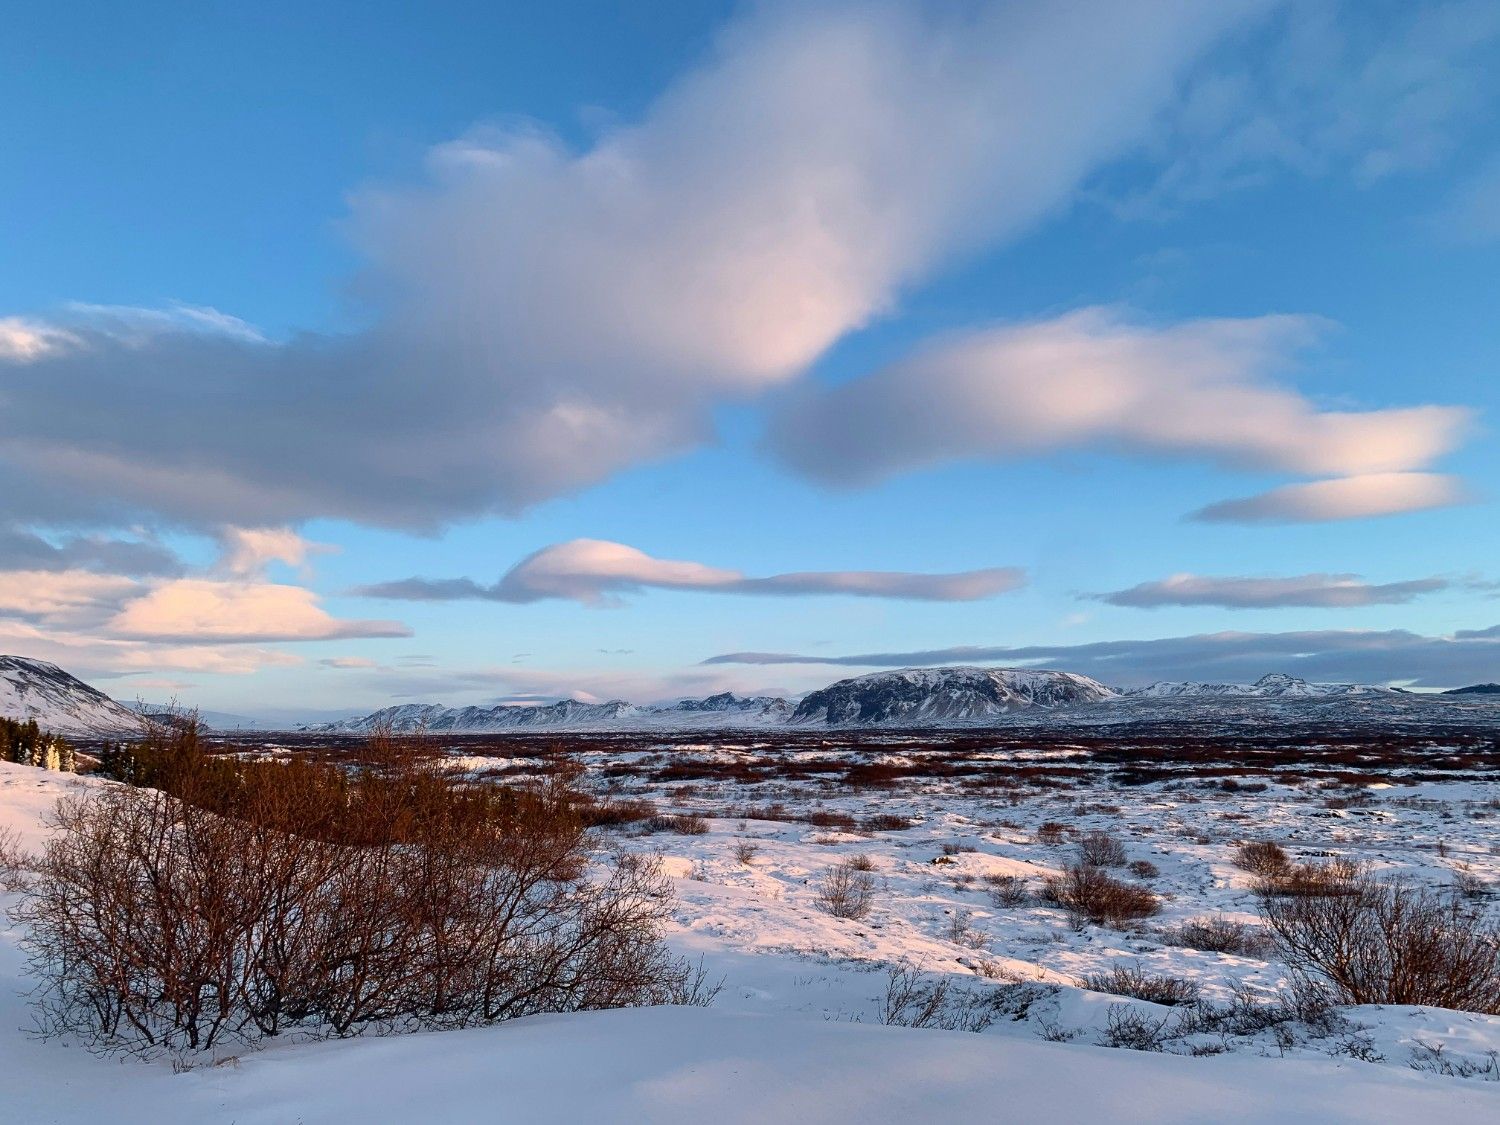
(59,702)
(941,695)
(1275,685)
(724,709)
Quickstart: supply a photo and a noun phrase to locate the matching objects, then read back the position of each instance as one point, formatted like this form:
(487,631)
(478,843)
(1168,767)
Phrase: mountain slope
(58,701)
(1274,685)
(940,695)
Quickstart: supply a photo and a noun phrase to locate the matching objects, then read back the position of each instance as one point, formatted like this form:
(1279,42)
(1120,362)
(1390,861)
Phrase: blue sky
(955,317)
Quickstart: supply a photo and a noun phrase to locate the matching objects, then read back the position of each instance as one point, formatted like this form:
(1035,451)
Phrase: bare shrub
(14,862)
(1006,890)
(1468,884)
(860,862)
(886,822)
(911,1000)
(1312,880)
(1134,1030)
(1220,935)
(745,851)
(1051,832)
(1262,857)
(1379,942)
(845,891)
(1143,869)
(683,825)
(1088,894)
(1134,981)
(827,818)
(1100,849)
(261,899)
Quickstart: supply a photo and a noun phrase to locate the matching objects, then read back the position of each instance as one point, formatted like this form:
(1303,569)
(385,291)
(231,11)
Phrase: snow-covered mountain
(1275,685)
(939,695)
(727,704)
(408,717)
(59,702)
(724,709)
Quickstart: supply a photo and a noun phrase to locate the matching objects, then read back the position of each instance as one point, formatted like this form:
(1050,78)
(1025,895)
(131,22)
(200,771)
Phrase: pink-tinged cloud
(594,570)
(196,609)
(1347,498)
(1326,591)
(1205,389)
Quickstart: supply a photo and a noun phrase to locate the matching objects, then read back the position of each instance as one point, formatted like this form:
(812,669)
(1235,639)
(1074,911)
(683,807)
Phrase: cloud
(1364,91)
(1364,656)
(247,551)
(23,549)
(1318,590)
(543,317)
(197,609)
(62,598)
(593,570)
(1473,214)
(1199,389)
(1355,497)
(349,662)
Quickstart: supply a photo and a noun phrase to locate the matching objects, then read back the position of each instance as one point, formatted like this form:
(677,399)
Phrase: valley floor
(796,1033)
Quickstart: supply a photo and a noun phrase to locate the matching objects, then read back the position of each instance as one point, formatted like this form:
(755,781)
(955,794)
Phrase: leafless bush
(745,851)
(683,825)
(911,1000)
(1379,942)
(1312,880)
(1433,1058)
(1088,894)
(860,862)
(886,822)
(261,900)
(1134,1030)
(1134,981)
(1006,890)
(1220,935)
(1262,857)
(845,891)
(1143,869)
(1100,849)
(13,860)
(827,818)
(1468,884)
(1051,832)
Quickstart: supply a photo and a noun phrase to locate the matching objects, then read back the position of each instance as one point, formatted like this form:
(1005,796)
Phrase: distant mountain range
(35,689)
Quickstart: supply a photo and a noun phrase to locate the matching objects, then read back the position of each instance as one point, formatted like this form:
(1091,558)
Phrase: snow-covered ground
(796,1035)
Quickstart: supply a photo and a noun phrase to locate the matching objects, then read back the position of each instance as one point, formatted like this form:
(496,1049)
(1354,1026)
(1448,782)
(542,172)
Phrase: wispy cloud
(1326,591)
(592,571)
(1346,498)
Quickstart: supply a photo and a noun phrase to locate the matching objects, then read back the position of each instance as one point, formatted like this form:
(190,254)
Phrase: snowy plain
(796,1034)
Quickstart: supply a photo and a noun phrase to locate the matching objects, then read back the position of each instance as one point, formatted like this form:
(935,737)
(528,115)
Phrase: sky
(478,353)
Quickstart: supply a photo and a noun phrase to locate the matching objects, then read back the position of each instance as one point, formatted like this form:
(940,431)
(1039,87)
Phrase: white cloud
(247,551)
(197,609)
(1314,590)
(59,598)
(593,570)
(1356,497)
(1199,389)
(545,317)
